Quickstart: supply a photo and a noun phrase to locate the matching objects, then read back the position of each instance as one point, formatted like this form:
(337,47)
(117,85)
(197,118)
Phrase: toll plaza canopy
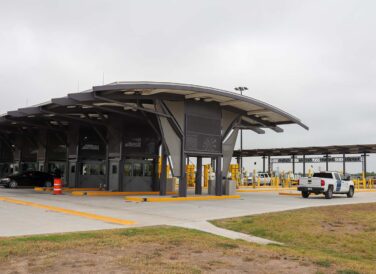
(308,151)
(114,135)
(317,150)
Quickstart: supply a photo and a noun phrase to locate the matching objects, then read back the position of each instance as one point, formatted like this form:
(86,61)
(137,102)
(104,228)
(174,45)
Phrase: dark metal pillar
(365,164)
(198,183)
(218,176)
(304,166)
(269,165)
(293,164)
(183,177)
(327,162)
(263,164)
(163,179)
(344,164)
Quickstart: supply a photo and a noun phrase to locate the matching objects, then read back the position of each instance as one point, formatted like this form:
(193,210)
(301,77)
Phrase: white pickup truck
(326,183)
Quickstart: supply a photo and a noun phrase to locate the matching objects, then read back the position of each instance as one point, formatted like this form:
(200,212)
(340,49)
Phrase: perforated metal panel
(203,128)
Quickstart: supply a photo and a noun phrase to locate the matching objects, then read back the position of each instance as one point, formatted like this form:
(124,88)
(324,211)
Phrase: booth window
(93,169)
(114,169)
(137,169)
(148,169)
(127,169)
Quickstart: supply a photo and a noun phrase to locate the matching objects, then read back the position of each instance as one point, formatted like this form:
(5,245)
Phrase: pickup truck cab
(264,177)
(327,183)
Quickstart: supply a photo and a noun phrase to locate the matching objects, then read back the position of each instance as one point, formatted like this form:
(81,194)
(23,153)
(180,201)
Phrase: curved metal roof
(120,97)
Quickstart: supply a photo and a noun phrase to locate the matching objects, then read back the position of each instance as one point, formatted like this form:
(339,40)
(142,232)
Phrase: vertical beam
(218,176)
(327,162)
(183,176)
(344,164)
(263,163)
(365,164)
(198,183)
(304,166)
(163,179)
(293,164)
(269,165)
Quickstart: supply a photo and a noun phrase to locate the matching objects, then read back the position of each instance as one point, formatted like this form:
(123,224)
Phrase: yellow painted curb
(262,190)
(180,199)
(365,190)
(289,194)
(108,193)
(42,189)
(70,212)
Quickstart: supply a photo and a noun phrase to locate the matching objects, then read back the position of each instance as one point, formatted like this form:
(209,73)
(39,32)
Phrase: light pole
(241,89)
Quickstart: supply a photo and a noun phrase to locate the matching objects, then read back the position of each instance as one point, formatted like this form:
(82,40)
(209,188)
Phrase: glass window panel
(137,169)
(148,169)
(128,169)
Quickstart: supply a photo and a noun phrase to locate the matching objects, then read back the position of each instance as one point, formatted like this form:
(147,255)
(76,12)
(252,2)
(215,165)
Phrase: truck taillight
(322,182)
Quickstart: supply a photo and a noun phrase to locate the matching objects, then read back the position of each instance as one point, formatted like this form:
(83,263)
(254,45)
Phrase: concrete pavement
(18,219)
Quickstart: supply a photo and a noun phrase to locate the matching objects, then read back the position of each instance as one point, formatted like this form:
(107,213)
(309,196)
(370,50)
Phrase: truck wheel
(329,193)
(305,194)
(13,184)
(350,194)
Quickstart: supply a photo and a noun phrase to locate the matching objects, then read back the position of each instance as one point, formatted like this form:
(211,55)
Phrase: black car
(28,178)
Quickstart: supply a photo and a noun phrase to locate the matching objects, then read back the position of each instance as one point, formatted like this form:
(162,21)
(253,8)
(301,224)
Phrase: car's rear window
(323,175)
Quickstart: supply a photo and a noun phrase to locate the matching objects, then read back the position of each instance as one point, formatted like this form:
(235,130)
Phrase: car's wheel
(13,184)
(305,194)
(48,184)
(329,193)
(350,194)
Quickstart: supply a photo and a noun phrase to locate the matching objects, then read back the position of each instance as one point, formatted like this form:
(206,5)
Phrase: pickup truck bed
(328,183)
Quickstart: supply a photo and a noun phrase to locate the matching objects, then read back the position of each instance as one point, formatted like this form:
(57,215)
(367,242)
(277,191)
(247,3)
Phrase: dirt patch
(184,251)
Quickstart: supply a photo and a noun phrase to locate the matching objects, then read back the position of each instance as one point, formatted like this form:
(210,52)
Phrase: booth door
(92,174)
(138,175)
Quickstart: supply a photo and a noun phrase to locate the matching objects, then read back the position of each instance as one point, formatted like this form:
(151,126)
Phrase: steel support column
(198,183)
(327,162)
(218,176)
(304,166)
(263,164)
(365,164)
(183,176)
(269,165)
(344,164)
(163,179)
(293,164)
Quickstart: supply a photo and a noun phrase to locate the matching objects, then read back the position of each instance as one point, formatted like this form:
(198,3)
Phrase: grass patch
(335,235)
(324,263)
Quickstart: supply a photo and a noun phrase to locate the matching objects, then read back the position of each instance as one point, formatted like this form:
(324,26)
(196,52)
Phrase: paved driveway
(26,219)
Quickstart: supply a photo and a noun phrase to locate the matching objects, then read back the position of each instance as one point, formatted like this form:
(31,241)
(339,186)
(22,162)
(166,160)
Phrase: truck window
(337,176)
(325,175)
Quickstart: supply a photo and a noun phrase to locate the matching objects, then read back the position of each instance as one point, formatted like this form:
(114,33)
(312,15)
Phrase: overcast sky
(313,59)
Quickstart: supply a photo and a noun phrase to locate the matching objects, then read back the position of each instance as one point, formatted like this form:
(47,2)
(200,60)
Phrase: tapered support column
(198,184)
(344,164)
(163,179)
(218,176)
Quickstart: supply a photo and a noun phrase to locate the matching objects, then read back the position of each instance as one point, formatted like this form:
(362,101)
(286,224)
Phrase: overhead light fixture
(197,98)
(129,92)
(71,106)
(208,100)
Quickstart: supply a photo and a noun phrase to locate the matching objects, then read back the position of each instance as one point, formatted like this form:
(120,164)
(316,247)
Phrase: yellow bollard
(207,169)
